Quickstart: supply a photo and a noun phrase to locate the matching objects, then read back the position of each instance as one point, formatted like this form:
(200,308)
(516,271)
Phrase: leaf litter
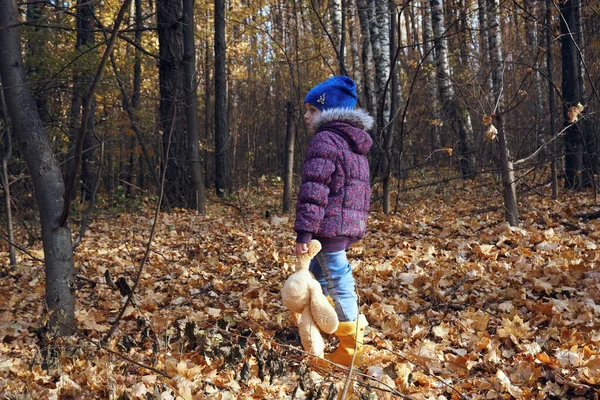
(460,305)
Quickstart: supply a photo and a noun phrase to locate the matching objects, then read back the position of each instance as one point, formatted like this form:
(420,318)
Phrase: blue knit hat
(335,92)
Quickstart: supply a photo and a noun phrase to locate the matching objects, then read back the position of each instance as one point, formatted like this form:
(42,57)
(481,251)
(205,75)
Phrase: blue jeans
(334,273)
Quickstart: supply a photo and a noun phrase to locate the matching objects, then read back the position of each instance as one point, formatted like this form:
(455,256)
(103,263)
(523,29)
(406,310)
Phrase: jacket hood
(348,123)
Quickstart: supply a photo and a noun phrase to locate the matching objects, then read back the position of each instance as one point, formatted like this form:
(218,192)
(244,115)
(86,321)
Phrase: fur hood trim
(357,117)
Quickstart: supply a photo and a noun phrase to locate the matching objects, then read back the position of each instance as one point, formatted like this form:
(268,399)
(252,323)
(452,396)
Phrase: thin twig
(20,248)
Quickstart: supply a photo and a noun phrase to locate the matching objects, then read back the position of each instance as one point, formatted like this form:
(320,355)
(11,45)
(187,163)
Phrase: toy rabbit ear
(314,247)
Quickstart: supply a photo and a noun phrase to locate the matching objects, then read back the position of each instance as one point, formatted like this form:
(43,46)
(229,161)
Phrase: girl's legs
(334,273)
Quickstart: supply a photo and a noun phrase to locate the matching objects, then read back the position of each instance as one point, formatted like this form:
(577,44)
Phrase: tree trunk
(551,98)
(207,109)
(7,139)
(137,63)
(288,165)
(36,57)
(45,172)
(531,34)
(391,128)
(135,100)
(368,76)
(342,46)
(414,29)
(590,130)
(379,27)
(571,89)
(429,61)
(462,34)
(354,36)
(191,107)
(380,42)
(458,116)
(508,174)
(85,39)
(337,11)
(222,137)
(172,103)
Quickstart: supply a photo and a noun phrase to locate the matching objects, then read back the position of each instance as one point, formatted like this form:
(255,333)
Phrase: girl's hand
(301,248)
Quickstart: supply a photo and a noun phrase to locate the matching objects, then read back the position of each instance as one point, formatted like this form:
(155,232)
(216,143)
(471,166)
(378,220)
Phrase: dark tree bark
(191,106)
(45,172)
(288,165)
(591,157)
(172,103)
(82,83)
(429,61)
(551,97)
(415,31)
(6,138)
(483,40)
(135,101)
(36,56)
(137,63)
(208,115)
(572,94)
(222,172)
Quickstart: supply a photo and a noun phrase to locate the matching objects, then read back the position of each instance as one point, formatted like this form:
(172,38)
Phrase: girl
(334,200)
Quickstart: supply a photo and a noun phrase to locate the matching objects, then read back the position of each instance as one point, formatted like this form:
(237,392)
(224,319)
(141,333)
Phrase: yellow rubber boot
(351,335)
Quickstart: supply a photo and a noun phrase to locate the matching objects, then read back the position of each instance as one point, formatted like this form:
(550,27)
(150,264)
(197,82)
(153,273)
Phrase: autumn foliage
(460,305)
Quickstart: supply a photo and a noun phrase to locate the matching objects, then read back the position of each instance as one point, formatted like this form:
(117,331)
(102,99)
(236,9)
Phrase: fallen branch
(591,215)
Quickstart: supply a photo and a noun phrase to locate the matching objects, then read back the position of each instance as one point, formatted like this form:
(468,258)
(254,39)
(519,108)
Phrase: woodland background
(150,153)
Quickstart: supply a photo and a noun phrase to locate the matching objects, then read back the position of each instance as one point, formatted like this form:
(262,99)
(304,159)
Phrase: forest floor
(460,305)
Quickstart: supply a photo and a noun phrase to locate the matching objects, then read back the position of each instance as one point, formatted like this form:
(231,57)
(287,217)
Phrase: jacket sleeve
(319,165)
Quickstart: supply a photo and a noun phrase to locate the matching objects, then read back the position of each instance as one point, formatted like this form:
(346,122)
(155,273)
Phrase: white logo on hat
(321,99)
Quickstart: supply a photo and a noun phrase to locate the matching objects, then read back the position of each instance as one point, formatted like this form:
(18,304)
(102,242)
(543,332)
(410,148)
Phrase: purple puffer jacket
(335,195)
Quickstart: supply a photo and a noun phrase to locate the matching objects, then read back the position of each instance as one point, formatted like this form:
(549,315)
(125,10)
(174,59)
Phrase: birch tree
(191,107)
(456,114)
(395,96)
(380,43)
(288,166)
(506,164)
(531,35)
(354,37)
(337,22)
(369,91)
